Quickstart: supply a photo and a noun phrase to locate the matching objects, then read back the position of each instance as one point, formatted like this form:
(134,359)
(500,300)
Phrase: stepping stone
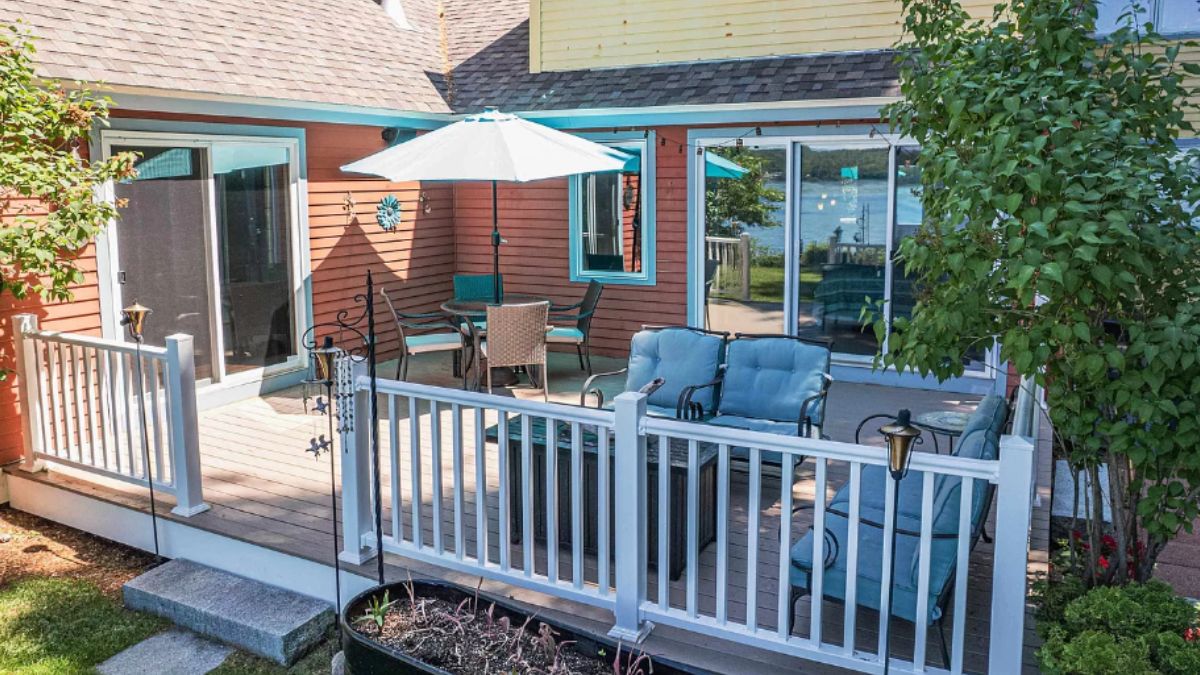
(175,652)
(271,622)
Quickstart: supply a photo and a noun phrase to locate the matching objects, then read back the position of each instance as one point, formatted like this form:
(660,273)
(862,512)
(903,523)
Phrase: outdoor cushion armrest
(899,530)
(556,316)
(589,387)
(805,425)
(692,410)
(563,308)
(652,386)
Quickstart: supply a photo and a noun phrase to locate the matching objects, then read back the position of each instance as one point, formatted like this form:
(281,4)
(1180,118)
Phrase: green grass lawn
(67,627)
(241,663)
(64,626)
(766,285)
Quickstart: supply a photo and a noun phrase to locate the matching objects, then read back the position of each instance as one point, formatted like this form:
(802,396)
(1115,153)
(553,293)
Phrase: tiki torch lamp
(322,359)
(900,436)
(133,317)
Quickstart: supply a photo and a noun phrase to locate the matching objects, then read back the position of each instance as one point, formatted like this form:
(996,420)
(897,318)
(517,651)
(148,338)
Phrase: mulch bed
(469,641)
(35,547)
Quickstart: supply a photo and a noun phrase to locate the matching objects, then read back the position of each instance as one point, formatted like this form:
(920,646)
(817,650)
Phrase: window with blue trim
(1170,17)
(612,221)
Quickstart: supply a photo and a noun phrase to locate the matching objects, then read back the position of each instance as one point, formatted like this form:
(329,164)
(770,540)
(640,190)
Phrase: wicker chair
(422,334)
(516,336)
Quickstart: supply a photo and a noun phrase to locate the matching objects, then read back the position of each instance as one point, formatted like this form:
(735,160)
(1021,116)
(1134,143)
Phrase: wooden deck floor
(265,488)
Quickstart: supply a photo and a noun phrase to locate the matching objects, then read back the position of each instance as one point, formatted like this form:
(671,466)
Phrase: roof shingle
(350,52)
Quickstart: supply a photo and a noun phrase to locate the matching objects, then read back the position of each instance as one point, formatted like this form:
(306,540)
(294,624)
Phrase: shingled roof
(349,52)
(490,52)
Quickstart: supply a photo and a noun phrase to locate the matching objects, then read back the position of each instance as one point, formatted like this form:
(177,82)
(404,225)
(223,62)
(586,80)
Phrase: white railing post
(29,378)
(744,248)
(629,523)
(354,428)
(1011,555)
(184,426)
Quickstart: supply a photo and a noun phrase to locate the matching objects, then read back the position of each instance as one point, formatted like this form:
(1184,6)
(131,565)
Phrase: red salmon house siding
(534,220)
(415,262)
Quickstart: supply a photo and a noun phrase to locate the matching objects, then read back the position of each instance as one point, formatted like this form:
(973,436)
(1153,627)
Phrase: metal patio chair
(425,333)
(579,334)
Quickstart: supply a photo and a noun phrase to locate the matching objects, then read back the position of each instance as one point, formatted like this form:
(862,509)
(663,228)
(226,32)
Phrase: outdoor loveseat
(981,440)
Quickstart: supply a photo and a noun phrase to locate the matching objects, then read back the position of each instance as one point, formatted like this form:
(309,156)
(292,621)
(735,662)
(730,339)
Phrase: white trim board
(178,540)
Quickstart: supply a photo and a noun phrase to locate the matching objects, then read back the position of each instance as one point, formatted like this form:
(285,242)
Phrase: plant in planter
(437,627)
(1059,222)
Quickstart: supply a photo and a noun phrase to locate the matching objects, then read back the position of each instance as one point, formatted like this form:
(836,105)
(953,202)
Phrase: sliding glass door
(800,237)
(206,239)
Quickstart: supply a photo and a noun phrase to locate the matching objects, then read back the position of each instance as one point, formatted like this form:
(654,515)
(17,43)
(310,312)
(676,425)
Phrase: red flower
(1108,541)
(1191,634)
(1104,562)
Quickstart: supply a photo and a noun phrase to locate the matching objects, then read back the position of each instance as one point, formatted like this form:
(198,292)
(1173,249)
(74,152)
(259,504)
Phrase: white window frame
(1154,11)
(791,301)
(108,254)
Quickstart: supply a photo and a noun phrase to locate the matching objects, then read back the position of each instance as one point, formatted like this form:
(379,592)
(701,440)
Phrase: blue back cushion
(682,357)
(475,287)
(770,378)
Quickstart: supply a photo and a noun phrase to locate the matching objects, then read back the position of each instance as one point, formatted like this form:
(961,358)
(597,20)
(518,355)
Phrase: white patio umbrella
(491,146)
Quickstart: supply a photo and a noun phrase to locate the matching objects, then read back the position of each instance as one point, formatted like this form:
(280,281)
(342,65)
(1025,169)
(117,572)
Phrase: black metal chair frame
(583,320)
(422,322)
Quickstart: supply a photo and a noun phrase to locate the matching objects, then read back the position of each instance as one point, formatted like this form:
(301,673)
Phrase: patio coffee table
(677,528)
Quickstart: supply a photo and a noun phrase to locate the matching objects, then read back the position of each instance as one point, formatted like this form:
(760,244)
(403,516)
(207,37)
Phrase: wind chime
(321,375)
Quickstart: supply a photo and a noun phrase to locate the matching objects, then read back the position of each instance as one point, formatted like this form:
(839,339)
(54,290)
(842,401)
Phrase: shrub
(1139,628)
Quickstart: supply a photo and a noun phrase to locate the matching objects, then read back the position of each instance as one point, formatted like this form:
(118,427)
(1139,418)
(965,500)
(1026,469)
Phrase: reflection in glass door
(206,241)
(745,238)
(843,233)
(162,245)
(253,227)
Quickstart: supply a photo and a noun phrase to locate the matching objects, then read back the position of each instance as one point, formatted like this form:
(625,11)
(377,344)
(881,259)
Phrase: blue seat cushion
(564,334)
(771,378)
(754,424)
(683,358)
(431,342)
(870,568)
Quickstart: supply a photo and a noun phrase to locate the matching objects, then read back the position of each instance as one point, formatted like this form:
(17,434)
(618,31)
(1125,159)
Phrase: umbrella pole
(495,247)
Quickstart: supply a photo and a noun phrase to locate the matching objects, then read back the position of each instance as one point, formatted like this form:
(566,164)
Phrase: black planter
(364,656)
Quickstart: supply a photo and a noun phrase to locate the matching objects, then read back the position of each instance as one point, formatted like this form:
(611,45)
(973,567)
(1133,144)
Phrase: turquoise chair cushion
(475,287)
(433,342)
(564,334)
(683,358)
(981,440)
(754,424)
(870,568)
(770,378)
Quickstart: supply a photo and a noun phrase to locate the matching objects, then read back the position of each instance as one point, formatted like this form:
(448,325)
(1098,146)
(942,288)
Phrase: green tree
(47,188)
(732,203)
(1060,221)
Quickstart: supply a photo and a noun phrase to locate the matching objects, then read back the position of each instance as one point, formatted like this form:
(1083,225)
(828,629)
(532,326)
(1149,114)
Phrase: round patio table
(476,310)
(949,423)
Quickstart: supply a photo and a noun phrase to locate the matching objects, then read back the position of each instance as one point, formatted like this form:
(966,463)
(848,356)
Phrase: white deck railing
(83,406)
(478,519)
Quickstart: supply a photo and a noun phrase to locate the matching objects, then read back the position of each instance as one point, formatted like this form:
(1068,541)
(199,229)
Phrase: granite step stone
(174,652)
(265,620)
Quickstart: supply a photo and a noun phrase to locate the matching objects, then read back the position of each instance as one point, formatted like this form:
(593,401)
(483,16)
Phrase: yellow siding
(1191,55)
(572,34)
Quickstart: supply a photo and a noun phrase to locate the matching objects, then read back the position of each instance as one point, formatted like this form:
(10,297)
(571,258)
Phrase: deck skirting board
(131,527)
